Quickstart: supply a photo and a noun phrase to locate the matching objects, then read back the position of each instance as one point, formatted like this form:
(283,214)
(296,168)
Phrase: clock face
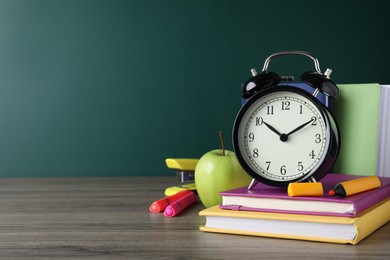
(281,136)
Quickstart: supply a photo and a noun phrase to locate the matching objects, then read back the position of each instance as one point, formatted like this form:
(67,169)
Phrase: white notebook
(383,160)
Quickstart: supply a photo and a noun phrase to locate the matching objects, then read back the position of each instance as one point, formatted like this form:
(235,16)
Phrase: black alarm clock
(284,134)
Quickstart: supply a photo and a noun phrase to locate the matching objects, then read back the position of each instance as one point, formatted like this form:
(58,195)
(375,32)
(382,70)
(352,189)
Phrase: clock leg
(253,184)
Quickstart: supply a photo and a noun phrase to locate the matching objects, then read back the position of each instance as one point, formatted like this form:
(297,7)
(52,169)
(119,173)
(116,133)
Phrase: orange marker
(348,188)
(305,189)
(180,205)
(161,204)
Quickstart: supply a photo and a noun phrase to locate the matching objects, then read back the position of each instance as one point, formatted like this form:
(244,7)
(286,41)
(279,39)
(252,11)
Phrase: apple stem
(222,142)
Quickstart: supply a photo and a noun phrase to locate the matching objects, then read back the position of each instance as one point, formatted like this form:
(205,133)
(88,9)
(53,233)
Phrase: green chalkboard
(112,88)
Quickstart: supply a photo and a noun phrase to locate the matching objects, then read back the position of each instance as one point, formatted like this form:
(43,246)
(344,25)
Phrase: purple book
(275,199)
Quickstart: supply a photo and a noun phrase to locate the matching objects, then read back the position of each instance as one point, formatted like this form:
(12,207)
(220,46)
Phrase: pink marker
(180,205)
(161,204)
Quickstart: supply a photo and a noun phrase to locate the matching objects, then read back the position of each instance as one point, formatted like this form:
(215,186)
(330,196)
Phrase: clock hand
(300,127)
(272,128)
(282,137)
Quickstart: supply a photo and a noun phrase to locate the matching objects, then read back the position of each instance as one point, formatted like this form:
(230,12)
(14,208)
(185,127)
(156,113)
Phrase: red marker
(180,205)
(161,204)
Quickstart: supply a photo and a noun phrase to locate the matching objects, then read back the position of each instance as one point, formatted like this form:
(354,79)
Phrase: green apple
(217,171)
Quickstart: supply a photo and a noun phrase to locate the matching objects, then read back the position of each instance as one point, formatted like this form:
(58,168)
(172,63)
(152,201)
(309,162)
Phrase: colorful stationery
(185,174)
(175,189)
(184,168)
(161,204)
(274,199)
(296,226)
(181,204)
(348,188)
(307,189)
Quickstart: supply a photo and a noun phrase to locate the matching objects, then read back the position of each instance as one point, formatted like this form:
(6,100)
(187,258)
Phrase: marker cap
(305,189)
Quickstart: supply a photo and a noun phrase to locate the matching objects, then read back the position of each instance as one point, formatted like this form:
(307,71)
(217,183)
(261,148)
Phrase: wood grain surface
(108,218)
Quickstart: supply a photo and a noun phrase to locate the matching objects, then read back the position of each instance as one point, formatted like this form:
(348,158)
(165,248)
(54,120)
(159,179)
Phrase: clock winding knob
(253,72)
(327,73)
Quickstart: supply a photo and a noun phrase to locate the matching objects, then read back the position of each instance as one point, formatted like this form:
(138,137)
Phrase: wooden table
(108,218)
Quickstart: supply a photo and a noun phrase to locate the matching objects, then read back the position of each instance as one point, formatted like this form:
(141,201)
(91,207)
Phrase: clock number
(318,138)
(285,105)
(255,153)
(259,121)
(270,110)
(268,164)
(300,110)
(300,166)
(251,137)
(312,154)
(283,170)
(314,120)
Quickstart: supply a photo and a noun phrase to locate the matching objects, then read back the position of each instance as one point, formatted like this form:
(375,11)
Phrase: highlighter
(348,188)
(161,204)
(180,205)
(305,189)
(175,189)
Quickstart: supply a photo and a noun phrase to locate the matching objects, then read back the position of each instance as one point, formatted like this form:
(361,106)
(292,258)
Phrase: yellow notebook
(343,230)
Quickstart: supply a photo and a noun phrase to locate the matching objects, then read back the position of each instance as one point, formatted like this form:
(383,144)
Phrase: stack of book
(269,212)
